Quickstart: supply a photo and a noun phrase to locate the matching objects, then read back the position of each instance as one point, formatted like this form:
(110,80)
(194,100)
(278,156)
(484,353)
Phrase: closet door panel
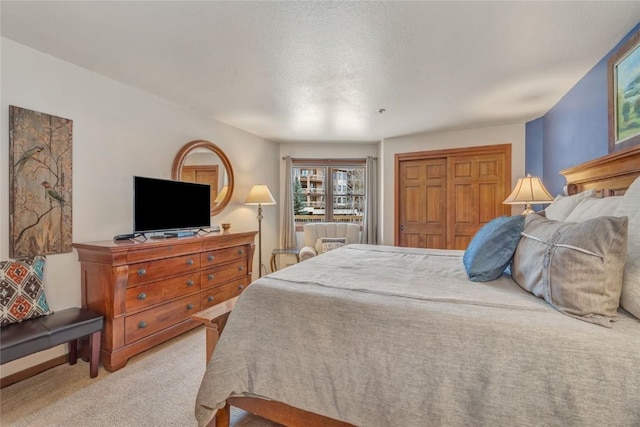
(423,204)
(478,190)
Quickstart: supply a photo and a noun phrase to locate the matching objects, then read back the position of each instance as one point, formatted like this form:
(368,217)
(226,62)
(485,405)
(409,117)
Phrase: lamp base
(527,210)
(260,239)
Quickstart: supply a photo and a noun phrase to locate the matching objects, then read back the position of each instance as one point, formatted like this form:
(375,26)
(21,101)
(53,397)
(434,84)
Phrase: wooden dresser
(147,291)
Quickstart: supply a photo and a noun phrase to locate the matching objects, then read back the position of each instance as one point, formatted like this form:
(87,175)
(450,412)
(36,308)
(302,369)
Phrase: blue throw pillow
(492,248)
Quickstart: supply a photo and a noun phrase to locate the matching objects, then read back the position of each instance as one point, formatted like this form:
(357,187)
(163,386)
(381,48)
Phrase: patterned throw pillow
(492,248)
(330,243)
(21,291)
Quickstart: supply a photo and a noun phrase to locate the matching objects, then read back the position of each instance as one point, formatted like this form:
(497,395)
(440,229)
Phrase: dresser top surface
(136,244)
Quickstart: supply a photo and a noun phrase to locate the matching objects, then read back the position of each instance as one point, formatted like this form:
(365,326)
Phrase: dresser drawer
(224,273)
(220,256)
(140,325)
(150,294)
(221,293)
(166,251)
(143,272)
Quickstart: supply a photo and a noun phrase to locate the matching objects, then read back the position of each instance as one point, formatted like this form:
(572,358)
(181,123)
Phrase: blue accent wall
(574,130)
(534,138)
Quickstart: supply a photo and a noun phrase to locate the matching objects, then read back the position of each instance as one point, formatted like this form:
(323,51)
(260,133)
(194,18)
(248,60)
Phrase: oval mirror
(204,162)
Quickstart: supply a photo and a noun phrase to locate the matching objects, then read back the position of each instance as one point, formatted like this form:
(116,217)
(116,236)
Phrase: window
(328,191)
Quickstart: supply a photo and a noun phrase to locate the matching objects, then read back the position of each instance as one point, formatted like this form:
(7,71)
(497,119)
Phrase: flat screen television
(165,205)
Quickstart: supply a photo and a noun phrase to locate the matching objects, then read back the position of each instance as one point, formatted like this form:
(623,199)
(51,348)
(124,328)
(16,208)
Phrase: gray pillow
(630,207)
(562,206)
(593,207)
(575,267)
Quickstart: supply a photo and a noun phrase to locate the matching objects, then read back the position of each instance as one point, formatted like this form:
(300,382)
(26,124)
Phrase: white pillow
(630,207)
(593,207)
(562,206)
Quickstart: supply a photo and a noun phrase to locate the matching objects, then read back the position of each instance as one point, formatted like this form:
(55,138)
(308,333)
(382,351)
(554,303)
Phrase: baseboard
(32,371)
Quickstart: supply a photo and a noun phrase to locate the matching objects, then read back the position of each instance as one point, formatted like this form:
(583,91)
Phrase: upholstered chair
(320,237)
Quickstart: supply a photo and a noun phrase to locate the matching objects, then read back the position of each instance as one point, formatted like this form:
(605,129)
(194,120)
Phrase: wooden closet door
(443,197)
(423,204)
(476,192)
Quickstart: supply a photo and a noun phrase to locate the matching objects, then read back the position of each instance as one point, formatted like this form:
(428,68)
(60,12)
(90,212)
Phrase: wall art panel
(40,183)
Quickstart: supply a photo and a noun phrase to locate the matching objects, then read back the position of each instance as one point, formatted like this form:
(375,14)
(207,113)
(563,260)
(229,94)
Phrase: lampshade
(260,195)
(221,195)
(529,190)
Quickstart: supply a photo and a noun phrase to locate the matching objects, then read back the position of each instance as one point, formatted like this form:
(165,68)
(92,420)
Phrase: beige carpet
(156,388)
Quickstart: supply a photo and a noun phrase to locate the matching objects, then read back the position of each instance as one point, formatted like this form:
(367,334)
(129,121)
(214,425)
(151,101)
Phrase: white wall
(509,134)
(118,132)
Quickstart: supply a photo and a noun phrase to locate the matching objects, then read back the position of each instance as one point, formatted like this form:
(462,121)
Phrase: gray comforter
(387,336)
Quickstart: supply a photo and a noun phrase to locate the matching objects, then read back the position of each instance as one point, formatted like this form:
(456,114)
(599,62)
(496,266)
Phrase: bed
(387,336)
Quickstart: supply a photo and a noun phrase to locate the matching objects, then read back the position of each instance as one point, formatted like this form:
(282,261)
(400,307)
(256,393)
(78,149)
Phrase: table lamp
(528,190)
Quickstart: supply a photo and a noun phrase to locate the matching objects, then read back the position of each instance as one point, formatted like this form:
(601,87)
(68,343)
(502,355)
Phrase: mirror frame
(190,147)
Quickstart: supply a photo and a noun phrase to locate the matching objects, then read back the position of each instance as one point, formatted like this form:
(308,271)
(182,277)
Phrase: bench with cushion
(27,325)
(40,333)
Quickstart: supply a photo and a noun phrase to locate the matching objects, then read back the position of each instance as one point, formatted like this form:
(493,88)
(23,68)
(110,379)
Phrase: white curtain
(288,238)
(370,222)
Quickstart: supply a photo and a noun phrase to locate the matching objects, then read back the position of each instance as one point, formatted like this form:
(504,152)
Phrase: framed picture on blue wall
(624,95)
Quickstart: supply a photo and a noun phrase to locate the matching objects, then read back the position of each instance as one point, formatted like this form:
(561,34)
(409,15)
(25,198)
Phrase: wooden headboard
(609,175)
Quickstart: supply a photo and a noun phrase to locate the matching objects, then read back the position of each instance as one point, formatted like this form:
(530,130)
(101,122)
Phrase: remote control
(124,236)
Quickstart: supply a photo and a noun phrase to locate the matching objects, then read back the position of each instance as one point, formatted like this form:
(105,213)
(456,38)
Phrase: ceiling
(321,71)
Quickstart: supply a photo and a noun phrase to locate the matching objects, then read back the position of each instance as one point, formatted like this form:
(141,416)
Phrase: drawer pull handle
(211,276)
(142,325)
(189,306)
(240,268)
(210,298)
(142,296)
(240,251)
(240,287)
(189,261)
(142,272)
(210,258)
(190,282)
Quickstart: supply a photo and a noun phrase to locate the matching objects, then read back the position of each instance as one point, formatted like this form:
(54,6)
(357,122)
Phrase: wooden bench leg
(94,343)
(73,352)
